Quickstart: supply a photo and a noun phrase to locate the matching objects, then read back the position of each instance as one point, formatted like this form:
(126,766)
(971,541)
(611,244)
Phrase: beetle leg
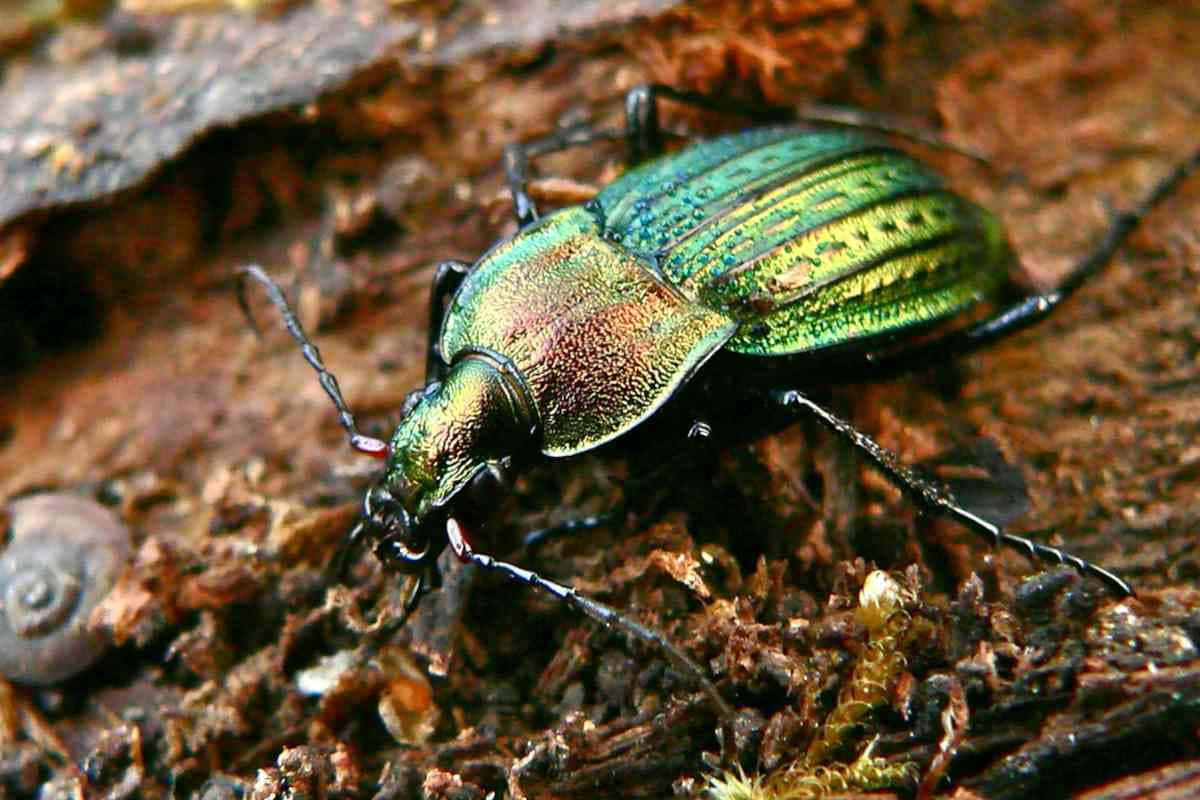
(338,567)
(446,279)
(644,134)
(698,433)
(517,157)
(419,590)
(696,437)
(537,538)
(1033,309)
(606,615)
(843,117)
(935,498)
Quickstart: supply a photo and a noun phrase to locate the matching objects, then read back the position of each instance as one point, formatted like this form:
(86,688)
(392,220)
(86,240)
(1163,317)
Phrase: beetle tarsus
(606,615)
(1046,553)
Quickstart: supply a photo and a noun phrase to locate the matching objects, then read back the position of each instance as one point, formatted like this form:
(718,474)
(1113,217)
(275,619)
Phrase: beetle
(782,248)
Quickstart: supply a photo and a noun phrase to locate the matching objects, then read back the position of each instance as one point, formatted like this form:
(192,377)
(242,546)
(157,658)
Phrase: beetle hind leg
(933,497)
(642,134)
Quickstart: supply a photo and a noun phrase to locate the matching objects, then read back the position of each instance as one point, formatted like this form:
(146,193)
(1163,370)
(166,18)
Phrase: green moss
(885,611)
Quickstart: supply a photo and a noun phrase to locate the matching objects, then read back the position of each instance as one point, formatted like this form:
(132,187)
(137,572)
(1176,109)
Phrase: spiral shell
(64,555)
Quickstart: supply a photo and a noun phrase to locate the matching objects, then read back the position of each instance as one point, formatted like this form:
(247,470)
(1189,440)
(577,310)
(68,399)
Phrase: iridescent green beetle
(782,244)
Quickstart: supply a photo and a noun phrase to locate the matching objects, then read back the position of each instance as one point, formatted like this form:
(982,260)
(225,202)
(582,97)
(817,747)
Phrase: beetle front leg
(606,615)
(447,277)
(933,497)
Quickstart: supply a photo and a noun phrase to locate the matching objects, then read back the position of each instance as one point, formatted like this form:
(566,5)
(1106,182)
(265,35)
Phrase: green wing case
(808,239)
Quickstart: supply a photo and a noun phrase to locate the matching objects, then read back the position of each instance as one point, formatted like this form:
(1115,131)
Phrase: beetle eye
(487,485)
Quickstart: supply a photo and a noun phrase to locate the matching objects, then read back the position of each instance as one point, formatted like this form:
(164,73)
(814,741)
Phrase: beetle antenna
(360,442)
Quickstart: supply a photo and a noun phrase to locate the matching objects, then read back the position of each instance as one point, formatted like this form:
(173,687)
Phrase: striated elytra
(727,276)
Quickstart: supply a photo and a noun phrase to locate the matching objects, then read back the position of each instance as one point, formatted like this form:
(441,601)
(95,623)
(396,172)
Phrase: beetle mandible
(782,246)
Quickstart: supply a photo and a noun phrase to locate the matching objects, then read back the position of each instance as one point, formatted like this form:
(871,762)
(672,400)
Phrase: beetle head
(400,541)
(453,435)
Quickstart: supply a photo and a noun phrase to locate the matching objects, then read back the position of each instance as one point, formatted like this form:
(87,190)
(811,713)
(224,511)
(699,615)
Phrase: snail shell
(64,555)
